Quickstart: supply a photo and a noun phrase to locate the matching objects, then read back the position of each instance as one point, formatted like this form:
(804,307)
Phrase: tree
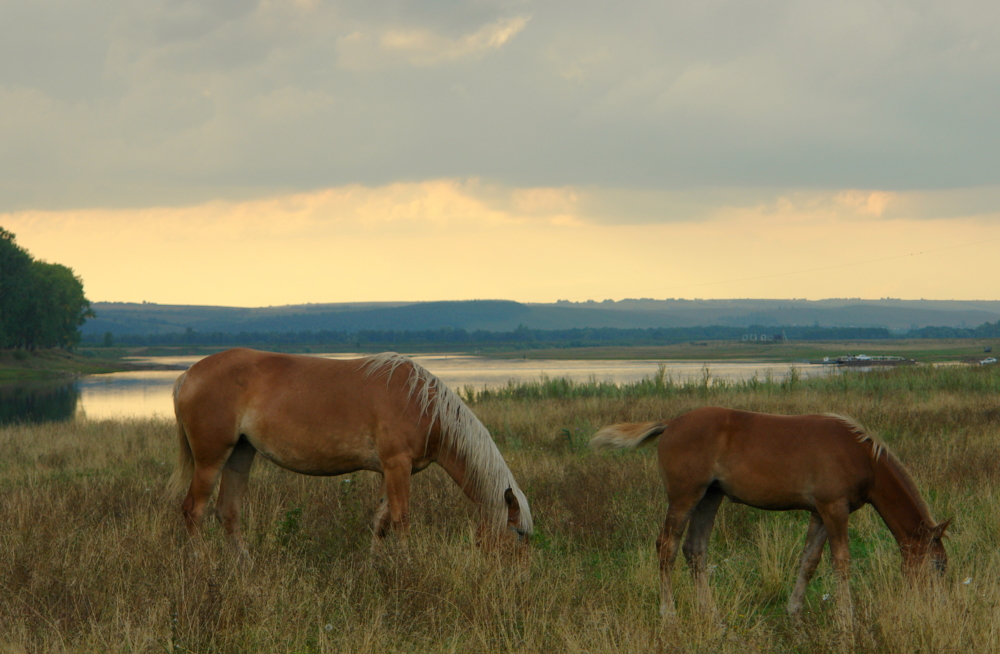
(59,305)
(41,304)
(15,290)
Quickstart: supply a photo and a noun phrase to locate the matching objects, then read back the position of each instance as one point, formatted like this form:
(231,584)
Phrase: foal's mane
(878,447)
(486,473)
(887,461)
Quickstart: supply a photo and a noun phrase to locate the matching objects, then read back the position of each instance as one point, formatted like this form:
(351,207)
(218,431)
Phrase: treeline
(522,337)
(985,330)
(41,304)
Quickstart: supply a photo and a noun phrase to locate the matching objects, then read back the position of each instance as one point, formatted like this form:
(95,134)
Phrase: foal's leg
(835,516)
(696,542)
(811,556)
(232,488)
(394,510)
(678,512)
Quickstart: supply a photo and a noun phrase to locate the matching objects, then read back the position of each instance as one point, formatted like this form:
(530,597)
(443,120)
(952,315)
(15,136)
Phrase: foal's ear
(938,531)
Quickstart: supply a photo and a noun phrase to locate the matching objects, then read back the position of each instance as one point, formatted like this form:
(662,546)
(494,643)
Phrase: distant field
(929,350)
(93,556)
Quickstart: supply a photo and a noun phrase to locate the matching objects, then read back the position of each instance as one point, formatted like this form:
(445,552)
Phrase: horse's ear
(938,531)
(513,506)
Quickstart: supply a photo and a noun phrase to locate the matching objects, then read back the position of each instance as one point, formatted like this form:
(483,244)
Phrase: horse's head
(513,534)
(927,546)
(518,514)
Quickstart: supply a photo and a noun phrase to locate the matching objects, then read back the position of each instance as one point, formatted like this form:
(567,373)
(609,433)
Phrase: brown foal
(825,464)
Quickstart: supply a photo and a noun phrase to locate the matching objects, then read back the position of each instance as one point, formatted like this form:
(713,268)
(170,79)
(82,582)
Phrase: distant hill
(503,315)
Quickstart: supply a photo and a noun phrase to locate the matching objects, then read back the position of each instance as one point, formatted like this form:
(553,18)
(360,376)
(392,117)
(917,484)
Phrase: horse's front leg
(811,556)
(835,518)
(393,513)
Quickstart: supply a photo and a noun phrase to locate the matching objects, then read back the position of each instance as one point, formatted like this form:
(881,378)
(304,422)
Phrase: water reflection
(145,393)
(148,393)
(35,402)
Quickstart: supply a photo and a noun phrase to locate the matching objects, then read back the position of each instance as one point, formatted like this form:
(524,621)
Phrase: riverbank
(20,365)
(24,365)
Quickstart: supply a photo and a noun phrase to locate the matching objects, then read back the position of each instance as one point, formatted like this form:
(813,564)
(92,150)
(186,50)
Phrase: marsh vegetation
(93,556)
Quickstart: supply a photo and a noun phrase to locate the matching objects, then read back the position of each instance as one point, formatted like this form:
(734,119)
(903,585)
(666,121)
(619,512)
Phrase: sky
(276,152)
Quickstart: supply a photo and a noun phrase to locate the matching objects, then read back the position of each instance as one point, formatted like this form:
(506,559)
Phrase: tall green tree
(15,289)
(41,304)
(59,305)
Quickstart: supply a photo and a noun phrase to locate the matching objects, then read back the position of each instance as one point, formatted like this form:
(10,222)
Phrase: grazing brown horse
(827,465)
(320,416)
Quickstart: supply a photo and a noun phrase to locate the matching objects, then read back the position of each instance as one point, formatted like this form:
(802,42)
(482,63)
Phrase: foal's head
(926,546)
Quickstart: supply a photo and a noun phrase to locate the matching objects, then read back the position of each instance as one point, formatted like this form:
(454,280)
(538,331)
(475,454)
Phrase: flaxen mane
(487,475)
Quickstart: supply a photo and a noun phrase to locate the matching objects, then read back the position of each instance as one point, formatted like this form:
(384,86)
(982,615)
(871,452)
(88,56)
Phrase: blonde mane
(487,474)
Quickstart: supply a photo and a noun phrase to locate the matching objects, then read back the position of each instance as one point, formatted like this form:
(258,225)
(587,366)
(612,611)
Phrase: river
(146,394)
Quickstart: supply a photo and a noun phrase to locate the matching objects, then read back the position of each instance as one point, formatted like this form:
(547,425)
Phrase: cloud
(155,103)
(422,47)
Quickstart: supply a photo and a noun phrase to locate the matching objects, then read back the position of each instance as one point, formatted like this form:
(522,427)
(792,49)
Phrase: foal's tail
(181,479)
(626,434)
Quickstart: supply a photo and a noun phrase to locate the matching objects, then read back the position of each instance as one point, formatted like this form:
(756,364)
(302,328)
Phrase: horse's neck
(896,500)
(455,466)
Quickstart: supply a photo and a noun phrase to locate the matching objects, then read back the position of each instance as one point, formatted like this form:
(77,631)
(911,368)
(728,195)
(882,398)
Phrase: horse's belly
(311,454)
(769,499)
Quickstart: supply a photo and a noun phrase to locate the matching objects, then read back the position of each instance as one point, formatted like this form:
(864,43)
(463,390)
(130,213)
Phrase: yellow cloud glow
(421,47)
(462,239)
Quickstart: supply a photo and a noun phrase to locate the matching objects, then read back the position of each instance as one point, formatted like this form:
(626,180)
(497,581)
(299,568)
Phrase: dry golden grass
(93,556)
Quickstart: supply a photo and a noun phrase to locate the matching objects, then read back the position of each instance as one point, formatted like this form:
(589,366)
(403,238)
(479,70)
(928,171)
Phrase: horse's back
(766,460)
(309,414)
(245,376)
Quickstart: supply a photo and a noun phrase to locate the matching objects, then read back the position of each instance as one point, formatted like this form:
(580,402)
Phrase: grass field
(93,556)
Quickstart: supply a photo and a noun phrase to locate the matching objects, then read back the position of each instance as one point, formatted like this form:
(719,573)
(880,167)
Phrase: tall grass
(93,556)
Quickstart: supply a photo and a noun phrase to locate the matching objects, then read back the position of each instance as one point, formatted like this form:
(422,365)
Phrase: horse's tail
(181,479)
(626,434)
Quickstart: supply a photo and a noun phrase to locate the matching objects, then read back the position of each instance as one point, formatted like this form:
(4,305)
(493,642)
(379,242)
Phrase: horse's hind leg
(811,556)
(696,543)
(678,513)
(232,488)
(202,483)
(209,458)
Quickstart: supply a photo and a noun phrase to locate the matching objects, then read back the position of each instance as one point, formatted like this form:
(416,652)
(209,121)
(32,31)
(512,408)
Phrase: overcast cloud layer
(122,103)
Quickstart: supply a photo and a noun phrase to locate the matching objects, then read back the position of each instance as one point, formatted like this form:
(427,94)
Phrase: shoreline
(52,364)
(22,365)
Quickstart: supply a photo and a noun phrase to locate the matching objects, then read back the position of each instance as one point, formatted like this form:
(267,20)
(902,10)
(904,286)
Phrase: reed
(93,555)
